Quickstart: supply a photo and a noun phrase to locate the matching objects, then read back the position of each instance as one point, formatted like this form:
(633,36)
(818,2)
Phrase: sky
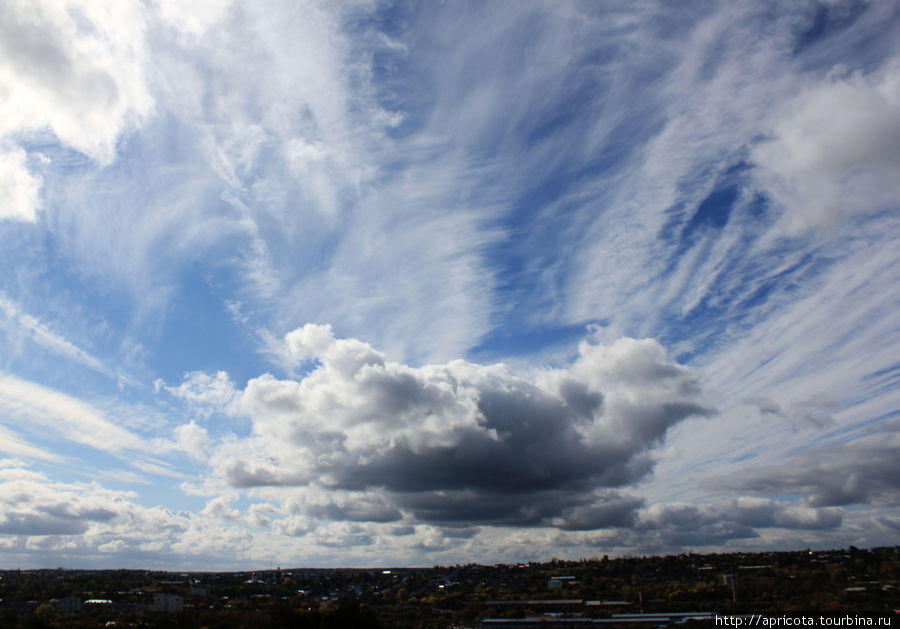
(365,283)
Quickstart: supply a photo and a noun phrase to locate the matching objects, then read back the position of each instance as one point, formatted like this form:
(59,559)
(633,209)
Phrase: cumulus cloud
(461,443)
(220,507)
(80,519)
(192,439)
(75,68)
(355,508)
(610,509)
(260,514)
(32,506)
(204,392)
(834,150)
(294,526)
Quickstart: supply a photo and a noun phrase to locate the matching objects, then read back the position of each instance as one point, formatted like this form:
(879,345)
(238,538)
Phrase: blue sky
(300,283)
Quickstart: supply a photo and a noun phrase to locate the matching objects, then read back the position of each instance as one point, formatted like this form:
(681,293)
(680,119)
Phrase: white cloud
(194,18)
(722,87)
(76,68)
(277,113)
(294,526)
(207,393)
(19,324)
(32,505)
(259,514)
(10,443)
(834,150)
(71,418)
(115,546)
(54,422)
(310,341)
(19,188)
(192,439)
(219,507)
(77,520)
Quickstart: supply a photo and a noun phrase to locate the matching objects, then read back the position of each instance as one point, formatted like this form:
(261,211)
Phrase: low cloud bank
(461,444)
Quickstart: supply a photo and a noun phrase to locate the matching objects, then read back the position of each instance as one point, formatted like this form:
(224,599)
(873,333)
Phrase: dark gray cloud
(466,507)
(864,472)
(610,509)
(463,444)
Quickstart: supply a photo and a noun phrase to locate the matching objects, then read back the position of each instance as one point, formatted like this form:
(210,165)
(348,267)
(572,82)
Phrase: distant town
(654,591)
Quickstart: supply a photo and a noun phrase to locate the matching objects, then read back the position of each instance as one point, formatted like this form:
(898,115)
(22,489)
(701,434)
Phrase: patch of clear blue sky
(506,340)
(199,334)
